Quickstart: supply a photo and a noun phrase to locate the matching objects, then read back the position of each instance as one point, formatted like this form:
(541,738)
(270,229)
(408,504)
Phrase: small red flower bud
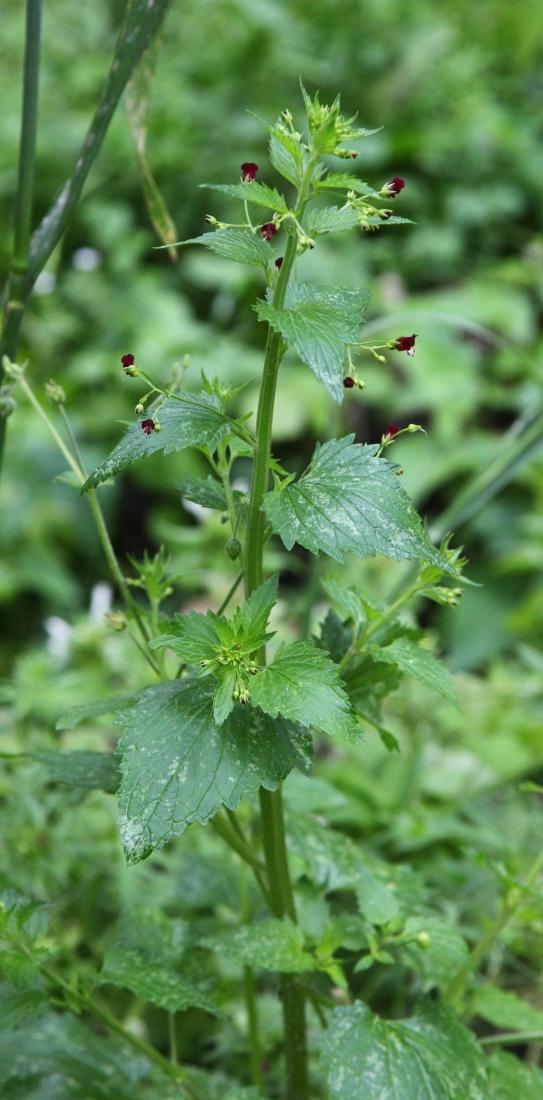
(148,425)
(395,185)
(279,263)
(127,360)
(248,171)
(406,343)
(268,231)
(348,382)
(391,431)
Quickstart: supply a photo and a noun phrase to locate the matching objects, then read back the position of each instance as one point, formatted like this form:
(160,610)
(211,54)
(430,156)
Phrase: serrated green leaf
(445,954)
(345,600)
(251,618)
(376,901)
(193,636)
(171,988)
(105,1069)
(334,636)
(253,191)
(203,490)
(179,767)
(506,1010)
(223,698)
(97,709)
(270,944)
(197,637)
(303,684)
(430,1055)
(350,500)
(187,421)
(511,1079)
(285,154)
(319,322)
(89,770)
(344,181)
(419,663)
(18,1006)
(368,683)
(335,862)
(332,219)
(241,245)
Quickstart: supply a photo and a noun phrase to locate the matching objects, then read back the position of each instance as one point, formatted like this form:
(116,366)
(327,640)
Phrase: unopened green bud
(424,939)
(233,549)
(116,620)
(139,408)
(55,392)
(158,426)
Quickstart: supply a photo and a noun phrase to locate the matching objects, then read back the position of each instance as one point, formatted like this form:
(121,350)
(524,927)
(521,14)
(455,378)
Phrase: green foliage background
(457,87)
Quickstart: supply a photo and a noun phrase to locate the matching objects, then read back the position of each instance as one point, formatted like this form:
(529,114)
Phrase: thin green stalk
(89,1004)
(231,592)
(75,464)
(511,1038)
(244,851)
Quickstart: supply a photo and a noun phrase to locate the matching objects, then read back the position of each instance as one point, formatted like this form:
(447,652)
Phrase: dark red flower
(248,171)
(406,343)
(348,382)
(127,360)
(148,425)
(268,230)
(392,430)
(279,263)
(394,186)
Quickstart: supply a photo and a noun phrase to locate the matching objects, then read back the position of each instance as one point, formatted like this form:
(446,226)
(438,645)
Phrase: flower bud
(393,187)
(233,549)
(424,939)
(116,620)
(268,230)
(406,343)
(55,392)
(139,408)
(248,171)
(129,366)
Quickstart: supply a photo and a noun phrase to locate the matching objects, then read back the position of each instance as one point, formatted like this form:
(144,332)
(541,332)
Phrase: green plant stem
(89,1004)
(76,465)
(365,636)
(172,1038)
(511,1038)
(239,845)
(249,989)
(22,215)
(271,805)
(455,990)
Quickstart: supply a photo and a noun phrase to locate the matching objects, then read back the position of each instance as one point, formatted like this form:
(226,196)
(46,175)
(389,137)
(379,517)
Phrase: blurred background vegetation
(457,87)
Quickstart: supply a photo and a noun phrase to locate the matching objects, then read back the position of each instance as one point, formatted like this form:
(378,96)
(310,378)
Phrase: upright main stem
(271,803)
(22,219)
